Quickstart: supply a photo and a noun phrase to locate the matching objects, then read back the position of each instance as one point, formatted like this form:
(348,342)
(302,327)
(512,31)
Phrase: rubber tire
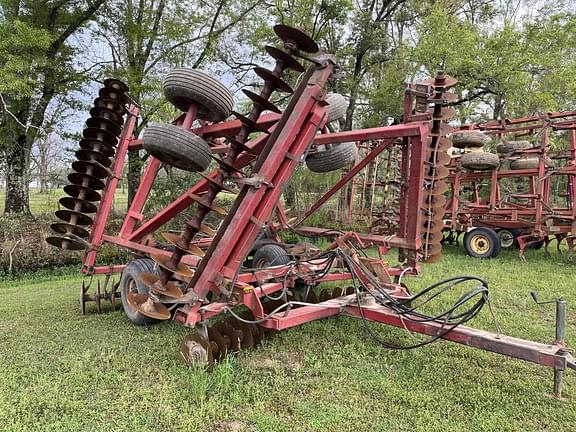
(129,274)
(506,147)
(338,105)
(493,242)
(336,157)
(177,147)
(469,138)
(183,87)
(480,161)
(514,232)
(270,255)
(529,163)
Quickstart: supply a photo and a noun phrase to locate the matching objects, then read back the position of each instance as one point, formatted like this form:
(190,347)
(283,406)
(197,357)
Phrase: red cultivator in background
(242,270)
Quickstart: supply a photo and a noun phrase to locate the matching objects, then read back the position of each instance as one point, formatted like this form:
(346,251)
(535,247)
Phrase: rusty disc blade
(86,180)
(91,168)
(97,146)
(283,57)
(438,157)
(436,173)
(312,297)
(443,130)
(215,336)
(152,281)
(110,93)
(144,304)
(350,290)
(76,218)
(438,188)
(116,84)
(446,97)
(432,237)
(78,205)
(219,184)
(296,38)
(231,336)
(111,104)
(246,338)
(82,192)
(203,202)
(100,135)
(108,114)
(104,124)
(278,83)
(207,230)
(93,156)
(164,262)
(65,243)
(431,248)
(440,144)
(65,228)
(434,201)
(445,82)
(195,351)
(176,240)
(325,295)
(265,104)
(432,258)
(251,124)
(445,114)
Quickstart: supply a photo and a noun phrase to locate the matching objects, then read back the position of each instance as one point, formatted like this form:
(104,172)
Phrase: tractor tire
(506,147)
(184,87)
(528,163)
(130,281)
(508,238)
(336,157)
(482,243)
(337,107)
(469,138)
(177,147)
(270,255)
(480,161)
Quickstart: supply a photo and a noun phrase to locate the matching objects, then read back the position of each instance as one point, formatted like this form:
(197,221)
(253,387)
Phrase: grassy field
(47,203)
(60,370)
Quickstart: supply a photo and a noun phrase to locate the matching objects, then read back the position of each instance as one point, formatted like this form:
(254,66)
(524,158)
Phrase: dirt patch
(286,361)
(232,426)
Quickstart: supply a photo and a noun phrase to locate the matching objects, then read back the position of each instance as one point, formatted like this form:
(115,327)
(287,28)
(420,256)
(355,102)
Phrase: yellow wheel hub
(480,244)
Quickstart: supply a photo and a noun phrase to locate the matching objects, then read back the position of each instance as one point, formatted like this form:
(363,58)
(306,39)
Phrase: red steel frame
(290,135)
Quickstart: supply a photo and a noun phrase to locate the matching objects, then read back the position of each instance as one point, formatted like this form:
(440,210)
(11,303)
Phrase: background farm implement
(241,270)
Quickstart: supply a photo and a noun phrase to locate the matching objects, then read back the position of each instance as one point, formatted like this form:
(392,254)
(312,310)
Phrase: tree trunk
(16,200)
(134,172)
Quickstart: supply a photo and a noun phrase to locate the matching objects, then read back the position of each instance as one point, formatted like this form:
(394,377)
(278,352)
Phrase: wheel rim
(506,238)
(480,244)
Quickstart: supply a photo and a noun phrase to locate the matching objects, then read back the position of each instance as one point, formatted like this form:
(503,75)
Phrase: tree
(36,64)
(149,37)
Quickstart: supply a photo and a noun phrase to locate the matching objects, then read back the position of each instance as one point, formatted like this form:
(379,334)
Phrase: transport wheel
(469,138)
(184,87)
(270,255)
(333,158)
(482,243)
(480,161)
(508,237)
(130,282)
(528,163)
(337,106)
(512,146)
(177,147)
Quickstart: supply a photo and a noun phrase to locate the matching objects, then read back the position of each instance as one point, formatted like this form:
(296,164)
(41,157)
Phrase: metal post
(560,332)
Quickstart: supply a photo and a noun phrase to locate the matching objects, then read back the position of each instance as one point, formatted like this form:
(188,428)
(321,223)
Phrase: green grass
(47,203)
(60,370)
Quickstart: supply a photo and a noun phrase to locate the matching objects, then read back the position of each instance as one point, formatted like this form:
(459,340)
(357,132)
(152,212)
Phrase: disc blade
(285,58)
(207,230)
(195,351)
(438,188)
(82,192)
(74,217)
(265,104)
(164,262)
(278,83)
(445,82)
(445,114)
(111,104)
(108,114)
(443,130)
(438,157)
(146,306)
(116,84)
(296,38)
(86,180)
(153,283)
(65,228)
(65,243)
(436,173)
(441,144)
(231,336)
(111,93)
(100,135)
(91,168)
(104,124)
(176,240)
(93,156)
(246,338)
(78,205)
(215,336)
(97,146)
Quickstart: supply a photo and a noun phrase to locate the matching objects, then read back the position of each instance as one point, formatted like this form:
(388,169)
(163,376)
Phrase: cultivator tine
(436,168)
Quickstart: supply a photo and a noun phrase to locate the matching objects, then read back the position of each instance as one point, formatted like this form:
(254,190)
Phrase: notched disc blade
(78,205)
(441,144)
(144,304)
(432,258)
(325,295)
(438,188)
(65,228)
(195,351)
(65,243)
(293,36)
(432,248)
(82,192)
(437,173)
(277,82)
(434,201)
(164,262)
(438,157)
(312,297)
(71,216)
(285,58)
